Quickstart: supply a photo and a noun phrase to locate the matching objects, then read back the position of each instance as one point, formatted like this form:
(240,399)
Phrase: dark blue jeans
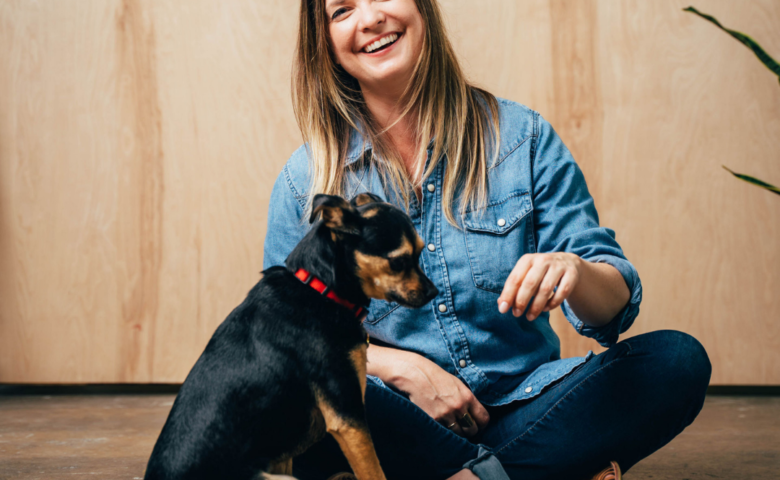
(622,405)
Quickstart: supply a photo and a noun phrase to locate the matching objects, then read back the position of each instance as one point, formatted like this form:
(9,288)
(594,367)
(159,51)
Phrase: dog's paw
(343,476)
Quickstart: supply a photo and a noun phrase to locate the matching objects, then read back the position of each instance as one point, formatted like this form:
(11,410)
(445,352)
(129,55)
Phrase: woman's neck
(386,110)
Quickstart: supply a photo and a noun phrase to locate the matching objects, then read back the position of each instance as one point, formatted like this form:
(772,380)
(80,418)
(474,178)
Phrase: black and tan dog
(289,363)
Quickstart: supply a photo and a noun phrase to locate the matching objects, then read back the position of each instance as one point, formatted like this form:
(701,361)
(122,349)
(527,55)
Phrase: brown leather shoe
(610,473)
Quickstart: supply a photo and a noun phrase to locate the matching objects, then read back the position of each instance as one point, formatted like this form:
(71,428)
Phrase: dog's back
(248,399)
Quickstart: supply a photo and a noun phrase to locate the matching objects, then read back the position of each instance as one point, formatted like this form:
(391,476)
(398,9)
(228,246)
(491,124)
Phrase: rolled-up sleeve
(566,220)
(285,228)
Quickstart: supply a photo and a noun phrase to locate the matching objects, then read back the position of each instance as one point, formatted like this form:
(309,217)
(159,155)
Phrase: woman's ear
(337,214)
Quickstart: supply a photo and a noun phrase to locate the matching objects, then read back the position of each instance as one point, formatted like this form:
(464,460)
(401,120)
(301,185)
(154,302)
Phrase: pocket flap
(379,309)
(500,216)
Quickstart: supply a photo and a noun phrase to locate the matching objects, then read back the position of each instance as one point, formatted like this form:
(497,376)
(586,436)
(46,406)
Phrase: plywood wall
(139,140)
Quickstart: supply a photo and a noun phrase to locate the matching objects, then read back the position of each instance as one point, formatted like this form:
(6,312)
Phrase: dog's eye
(399,264)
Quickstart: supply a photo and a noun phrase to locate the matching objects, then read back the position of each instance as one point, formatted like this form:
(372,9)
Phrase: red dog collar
(317,284)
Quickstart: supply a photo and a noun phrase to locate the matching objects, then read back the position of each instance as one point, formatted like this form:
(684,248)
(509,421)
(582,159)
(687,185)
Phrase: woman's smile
(383,44)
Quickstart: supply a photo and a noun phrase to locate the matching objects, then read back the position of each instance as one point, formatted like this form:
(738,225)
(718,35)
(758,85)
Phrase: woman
(459,388)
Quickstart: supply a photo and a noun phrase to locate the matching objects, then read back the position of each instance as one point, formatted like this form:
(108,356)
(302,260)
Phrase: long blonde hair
(461,119)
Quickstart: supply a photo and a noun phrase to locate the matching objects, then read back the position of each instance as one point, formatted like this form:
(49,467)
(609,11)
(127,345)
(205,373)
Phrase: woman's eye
(337,13)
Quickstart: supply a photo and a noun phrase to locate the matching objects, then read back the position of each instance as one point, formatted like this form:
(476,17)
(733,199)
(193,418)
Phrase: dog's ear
(337,214)
(364,198)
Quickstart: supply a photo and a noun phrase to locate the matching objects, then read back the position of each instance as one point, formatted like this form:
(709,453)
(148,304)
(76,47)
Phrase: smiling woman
(460,389)
(392,75)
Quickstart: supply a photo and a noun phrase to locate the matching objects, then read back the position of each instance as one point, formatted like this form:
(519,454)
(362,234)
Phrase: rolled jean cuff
(486,466)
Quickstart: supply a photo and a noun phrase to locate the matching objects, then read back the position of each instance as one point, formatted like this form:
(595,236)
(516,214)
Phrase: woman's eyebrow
(335,3)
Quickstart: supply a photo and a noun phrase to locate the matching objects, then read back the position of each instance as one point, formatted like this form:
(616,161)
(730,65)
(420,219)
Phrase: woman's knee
(681,359)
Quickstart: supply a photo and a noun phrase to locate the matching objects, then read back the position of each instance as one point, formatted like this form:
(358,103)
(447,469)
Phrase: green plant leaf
(755,181)
(770,62)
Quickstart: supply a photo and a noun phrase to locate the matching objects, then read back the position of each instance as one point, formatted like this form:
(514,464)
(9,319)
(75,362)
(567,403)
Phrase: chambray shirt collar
(359,145)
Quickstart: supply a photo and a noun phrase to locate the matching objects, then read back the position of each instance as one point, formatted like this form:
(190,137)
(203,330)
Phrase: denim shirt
(537,202)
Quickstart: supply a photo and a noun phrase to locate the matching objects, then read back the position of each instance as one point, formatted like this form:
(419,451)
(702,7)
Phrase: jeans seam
(558,402)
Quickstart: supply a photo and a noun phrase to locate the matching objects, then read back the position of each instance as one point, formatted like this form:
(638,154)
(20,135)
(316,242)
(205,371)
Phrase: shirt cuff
(607,335)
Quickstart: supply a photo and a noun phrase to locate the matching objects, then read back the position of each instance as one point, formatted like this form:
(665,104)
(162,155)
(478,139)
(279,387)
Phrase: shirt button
(431,247)
(501,222)
(528,389)
(431,187)
(462,363)
(442,307)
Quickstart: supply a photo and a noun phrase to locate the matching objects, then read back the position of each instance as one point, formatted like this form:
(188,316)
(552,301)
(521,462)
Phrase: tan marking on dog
(355,442)
(363,199)
(375,275)
(405,249)
(359,358)
(378,279)
(420,244)
(371,212)
(333,216)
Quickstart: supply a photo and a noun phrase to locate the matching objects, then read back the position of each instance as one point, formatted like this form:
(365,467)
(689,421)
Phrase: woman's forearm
(599,295)
(391,365)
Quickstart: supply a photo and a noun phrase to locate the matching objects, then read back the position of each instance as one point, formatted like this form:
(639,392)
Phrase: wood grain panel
(682,98)
(138,144)
(139,141)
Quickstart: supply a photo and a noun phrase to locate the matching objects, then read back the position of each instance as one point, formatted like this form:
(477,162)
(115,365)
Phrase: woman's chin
(386,79)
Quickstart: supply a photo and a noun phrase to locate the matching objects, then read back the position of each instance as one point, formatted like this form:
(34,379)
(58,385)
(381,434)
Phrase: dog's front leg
(351,434)
(355,442)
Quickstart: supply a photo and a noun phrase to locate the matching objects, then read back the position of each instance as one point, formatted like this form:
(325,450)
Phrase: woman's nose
(370,15)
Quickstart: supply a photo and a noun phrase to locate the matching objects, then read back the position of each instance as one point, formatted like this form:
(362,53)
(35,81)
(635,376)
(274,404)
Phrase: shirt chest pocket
(496,237)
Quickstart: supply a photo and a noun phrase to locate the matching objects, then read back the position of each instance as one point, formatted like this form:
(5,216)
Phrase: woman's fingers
(467,424)
(451,424)
(479,413)
(545,292)
(538,283)
(565,286)
(468,415)
(512,284)
(529,287)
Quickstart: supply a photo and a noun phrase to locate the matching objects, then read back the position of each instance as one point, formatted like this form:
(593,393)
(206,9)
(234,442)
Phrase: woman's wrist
(393,366)
(599,295)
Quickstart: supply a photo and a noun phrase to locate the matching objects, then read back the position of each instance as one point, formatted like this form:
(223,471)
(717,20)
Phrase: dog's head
(377,245)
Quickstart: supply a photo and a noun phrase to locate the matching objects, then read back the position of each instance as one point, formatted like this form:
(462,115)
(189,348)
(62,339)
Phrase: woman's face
(376,41)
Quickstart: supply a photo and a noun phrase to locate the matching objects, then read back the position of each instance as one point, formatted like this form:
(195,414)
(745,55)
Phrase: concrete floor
(111,436)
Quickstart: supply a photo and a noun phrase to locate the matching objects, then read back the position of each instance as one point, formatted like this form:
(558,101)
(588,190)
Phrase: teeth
(382,42)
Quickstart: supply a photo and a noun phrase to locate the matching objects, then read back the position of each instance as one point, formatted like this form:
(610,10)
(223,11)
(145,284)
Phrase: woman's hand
(541,280)
(441,395)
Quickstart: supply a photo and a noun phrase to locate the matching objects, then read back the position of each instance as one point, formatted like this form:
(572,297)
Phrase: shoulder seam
(291,186)
(511,150)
